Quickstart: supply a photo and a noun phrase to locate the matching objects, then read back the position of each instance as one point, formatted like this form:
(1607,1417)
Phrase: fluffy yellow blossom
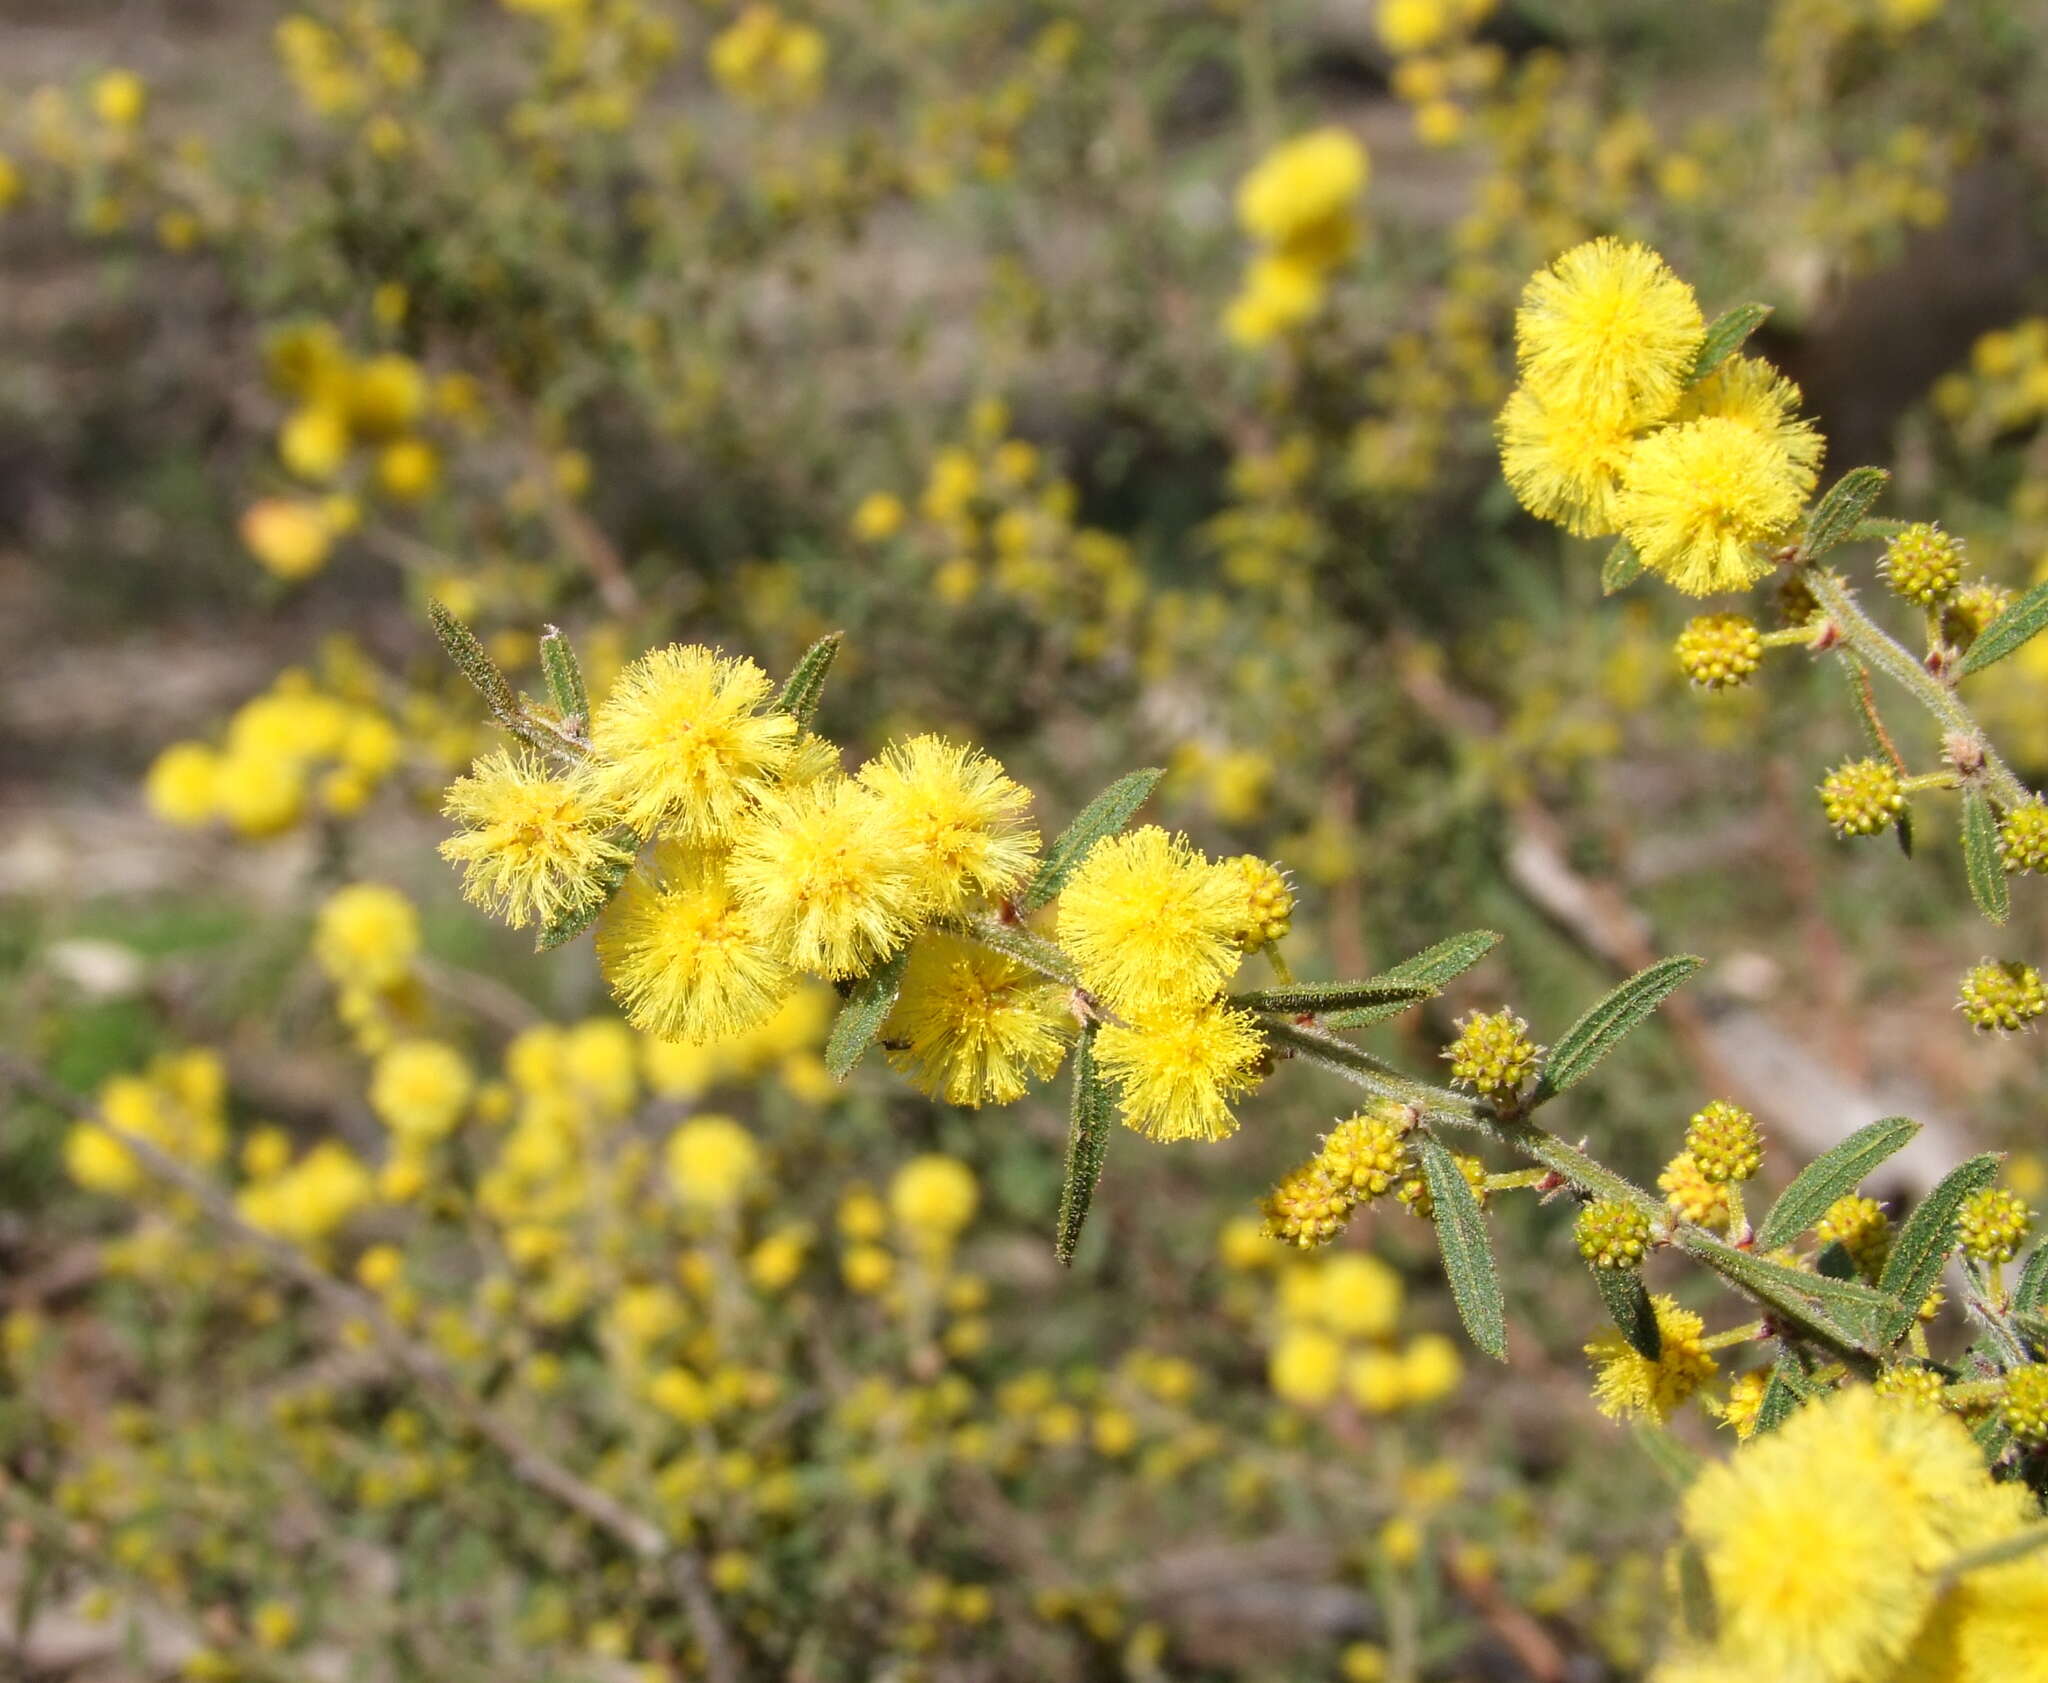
(831,886)
(1607,329)
(1306,1366)
(1749,390)
(1149,922)
(1693,1197)
(1822,1540)
(1698,500)
(533,846)
(682,743)
(1302,190)
(962,816)
(712,1163)
(288,537)
(1280,293)
(312,1198)
(682,958)
(182,785)
(933,1198)
(1176,1071)
(971,1027)
(1564,462)
(420,1088)
(366,935)
(1629,1385)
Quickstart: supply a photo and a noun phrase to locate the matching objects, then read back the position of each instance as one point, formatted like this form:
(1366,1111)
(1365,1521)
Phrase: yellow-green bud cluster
(1797,603)
(1862,797)
(1992,1224)
(1860,1226)
(1415,1191)
(1269,901)
(2023,837)
(1368,1153)
(1493,1052)
(1693,1197)
(1307,1208)
(1973,607)
(1719,651)
(1923,564)
(1909,1382)
(2002,997)
(1725,1142)
(2024,1407)
(1611,1234)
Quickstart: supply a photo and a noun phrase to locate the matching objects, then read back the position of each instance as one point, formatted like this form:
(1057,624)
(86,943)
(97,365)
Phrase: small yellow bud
(2023,838)
(2002,997)
(1923,564)
(2025,1406)
(1611,1234)
(1719,651)
(1973,607)
(1493,1052)
(1724,1141)
(1911,1383)
(1862,797)
(1992,1224)
(1368,1153)
(1308,1208)
(1268,901)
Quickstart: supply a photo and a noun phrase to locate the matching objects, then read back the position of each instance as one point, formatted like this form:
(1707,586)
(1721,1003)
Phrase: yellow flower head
(1750,390)
(971,1027)
(831,885)
(181,787)
(1821,1540)
(934,1197)
(1564,461)
(1150,923)
(1629,1385)
(1698,498)
(1305,1367)
(682,742)
(1176,1070)
(1300,188)
(1608,329)
(682,959)
(420,1088)
(962,814)
(532,846)
(712,1162)
(366,936)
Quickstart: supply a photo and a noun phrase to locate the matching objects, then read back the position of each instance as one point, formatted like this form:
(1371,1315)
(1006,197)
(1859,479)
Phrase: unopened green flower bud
(1725,1142)
(1493,1052)
(2023,837)
(2024,1407)
(1923,564)
(1862,797)
(1719,651)
(1860,1226)
(1992,1224)
(2002,997)
(1611,1234)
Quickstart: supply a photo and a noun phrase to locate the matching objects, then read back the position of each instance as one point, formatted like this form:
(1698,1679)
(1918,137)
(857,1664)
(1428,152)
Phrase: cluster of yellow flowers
(1615,427)
(178,1104)
(305,745)
(736,855)
(1298,204)
(1436,60)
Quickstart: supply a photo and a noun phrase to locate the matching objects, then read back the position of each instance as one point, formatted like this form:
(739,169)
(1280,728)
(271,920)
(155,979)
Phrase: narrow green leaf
(1871,531)
(471,661)
(1980,857)
(806,683)
(1321,997)
(1467,1251)
(860,1019)
(1842,1313)
(1696,1594)
(2032,1326)
(2013,628)
(572,923)
(564,676)
(1088,1130)
(1847,502)
(1103,816)
(1923,1243)
(1993,1435)
(1434,965)
(1784,1391)
(1840,1169)
(1360,1067)
(1031,950)
(1621,569)
(1607,1021)
(1678,1464)
(1726,334)
(2030,1296)
(1628,1301)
